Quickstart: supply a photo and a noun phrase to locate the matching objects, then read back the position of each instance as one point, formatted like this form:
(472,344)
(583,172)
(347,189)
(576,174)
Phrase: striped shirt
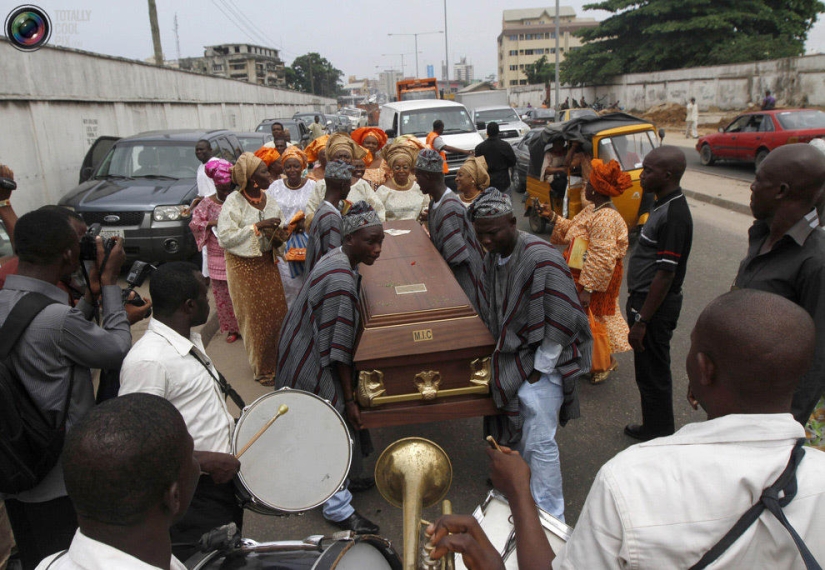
(320,328)
(62,341)
(324,234)
(664,244)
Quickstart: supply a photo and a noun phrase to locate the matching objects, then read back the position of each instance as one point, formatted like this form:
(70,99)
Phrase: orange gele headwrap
(608,179)
(295,152)
(358,135)
(267,154)
(315,147)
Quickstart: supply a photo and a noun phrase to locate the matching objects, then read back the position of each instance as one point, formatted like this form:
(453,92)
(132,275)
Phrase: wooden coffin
(423,353)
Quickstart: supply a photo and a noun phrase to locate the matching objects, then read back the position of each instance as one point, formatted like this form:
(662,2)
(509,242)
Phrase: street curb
(716,201)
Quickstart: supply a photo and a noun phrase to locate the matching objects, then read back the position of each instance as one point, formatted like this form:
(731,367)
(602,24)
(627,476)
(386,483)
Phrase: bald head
(662,170)
(799,166)
(748,350)
(672,157)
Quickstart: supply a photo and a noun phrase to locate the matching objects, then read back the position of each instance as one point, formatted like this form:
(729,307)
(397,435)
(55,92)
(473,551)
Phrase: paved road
(585,443)
(739,170)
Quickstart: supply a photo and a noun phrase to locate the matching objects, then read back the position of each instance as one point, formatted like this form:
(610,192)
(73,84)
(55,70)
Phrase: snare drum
(363,552)
(301,461)
(495,518)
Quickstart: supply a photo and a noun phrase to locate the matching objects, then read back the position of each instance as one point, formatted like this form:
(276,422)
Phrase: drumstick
(281,411)
(493,442)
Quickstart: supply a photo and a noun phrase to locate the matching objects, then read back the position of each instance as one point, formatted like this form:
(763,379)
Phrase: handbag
(576,253)
(296,253)
(601,344)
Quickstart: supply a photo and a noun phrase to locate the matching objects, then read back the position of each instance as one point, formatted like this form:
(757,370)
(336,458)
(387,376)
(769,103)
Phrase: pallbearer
(325,229)
(450,230)
(318,338)
(543,342)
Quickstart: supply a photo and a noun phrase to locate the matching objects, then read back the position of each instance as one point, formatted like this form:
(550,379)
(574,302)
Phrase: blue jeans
(539,404)
(339,506)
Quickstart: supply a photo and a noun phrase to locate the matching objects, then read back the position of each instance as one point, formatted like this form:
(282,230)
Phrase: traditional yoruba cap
(429,161)
(338,170)
(360,216)
(490,204)
(219,170)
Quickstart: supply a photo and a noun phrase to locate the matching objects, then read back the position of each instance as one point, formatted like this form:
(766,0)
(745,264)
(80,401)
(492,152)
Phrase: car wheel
(706,155)
(517,183)
(761,155)
(538,225)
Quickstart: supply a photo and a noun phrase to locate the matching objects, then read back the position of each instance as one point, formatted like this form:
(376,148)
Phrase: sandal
(266,381)
(599,377)
(232,337)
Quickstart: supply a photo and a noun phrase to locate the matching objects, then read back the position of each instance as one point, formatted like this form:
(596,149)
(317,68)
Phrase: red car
(751,136)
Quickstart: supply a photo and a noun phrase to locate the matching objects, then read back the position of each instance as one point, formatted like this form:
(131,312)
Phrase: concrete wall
(56,101)
(794,81)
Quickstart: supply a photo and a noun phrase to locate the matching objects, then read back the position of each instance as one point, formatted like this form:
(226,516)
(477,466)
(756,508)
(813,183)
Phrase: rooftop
(534,13)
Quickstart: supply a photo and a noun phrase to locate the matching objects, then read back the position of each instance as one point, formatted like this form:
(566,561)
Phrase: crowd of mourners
(283,232)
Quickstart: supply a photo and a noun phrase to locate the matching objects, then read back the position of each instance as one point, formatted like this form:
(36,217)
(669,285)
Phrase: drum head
(301,460)
(365,552)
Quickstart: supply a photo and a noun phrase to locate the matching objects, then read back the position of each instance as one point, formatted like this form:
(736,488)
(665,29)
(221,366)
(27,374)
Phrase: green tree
(314,74)
(653,35)
(540,71)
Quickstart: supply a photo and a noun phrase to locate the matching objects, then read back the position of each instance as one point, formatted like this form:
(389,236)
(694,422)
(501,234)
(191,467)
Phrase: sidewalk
(717,189)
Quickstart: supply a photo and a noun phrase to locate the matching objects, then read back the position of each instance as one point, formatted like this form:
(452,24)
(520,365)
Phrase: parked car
(751,136)
(358,117)
(142,188)
(250,142)
(518,174)
(568,114)
(309,118)
(538,117)
(298,130)
(339,124)
(511,127)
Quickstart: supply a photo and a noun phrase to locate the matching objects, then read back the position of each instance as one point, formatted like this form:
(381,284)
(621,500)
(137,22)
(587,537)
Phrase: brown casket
(423,353)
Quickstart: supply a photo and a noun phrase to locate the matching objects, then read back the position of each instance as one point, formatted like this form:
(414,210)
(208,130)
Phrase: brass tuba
(413,473)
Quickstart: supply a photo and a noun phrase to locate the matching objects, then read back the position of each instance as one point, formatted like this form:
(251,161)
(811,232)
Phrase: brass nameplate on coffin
(407,289)
(422,335)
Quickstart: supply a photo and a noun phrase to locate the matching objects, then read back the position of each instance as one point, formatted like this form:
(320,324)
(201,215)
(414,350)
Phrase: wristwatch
(638,319)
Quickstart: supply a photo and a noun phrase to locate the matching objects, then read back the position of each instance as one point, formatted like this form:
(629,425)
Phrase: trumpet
(414,473)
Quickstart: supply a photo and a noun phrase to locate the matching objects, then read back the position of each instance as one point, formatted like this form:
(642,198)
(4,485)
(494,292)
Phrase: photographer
(7,215)
(53,358)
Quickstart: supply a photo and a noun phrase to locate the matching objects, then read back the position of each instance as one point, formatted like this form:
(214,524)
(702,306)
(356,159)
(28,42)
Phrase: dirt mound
(666,114)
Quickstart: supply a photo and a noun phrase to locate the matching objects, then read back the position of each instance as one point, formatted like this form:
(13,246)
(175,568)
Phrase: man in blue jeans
(655,275)
(543,342)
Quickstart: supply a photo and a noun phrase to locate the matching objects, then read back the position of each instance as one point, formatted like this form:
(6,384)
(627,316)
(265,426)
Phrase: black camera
(88,246)
(138,273)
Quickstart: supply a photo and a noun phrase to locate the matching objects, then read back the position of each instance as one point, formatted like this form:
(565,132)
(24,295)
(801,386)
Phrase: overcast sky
(352,34)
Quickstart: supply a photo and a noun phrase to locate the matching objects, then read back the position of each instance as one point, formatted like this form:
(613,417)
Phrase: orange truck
(415,89)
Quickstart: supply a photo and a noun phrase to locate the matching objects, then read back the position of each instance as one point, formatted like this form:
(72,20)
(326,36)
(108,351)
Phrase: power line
(239,16)
(230,17)
(251,22)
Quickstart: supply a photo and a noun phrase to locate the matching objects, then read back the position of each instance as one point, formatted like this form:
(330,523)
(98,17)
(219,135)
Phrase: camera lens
(28,27)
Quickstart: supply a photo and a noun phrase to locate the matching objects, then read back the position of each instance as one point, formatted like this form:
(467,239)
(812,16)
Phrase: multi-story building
(530,33)
(386,82)
(255,64)
(463,70)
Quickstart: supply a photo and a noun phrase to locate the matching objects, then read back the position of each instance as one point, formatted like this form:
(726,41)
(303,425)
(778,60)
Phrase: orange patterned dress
(606,233)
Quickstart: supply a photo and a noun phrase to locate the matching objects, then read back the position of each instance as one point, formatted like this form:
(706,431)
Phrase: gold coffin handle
(371,388)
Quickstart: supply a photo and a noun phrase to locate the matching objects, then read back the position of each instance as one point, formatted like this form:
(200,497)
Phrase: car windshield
(505,115)
(150,160)
(629,150)
(310,117)
(801,120)
(251,144)
(420,122)
(351,112)
(543,113)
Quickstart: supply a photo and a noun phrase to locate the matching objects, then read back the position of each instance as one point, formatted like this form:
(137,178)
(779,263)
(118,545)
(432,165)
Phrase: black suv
(140,188)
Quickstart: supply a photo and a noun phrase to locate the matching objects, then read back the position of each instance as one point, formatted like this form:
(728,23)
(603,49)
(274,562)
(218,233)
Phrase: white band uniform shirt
(89,554)
(160,363)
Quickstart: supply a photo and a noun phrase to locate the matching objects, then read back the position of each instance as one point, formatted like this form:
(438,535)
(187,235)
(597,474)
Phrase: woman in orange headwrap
(316,152)
(600,277)
(373,139)
(271,157)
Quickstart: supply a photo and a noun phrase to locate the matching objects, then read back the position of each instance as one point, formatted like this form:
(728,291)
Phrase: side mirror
(86,173)
(481,125)
(305,137)
(662,134)
(390,133)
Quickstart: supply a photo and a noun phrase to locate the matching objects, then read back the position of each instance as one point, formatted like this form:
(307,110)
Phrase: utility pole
(446,51)
(557,59)
(311,77)
(177,37)
(153,23)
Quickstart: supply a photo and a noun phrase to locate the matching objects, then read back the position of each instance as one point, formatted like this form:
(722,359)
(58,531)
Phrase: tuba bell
(413,473)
